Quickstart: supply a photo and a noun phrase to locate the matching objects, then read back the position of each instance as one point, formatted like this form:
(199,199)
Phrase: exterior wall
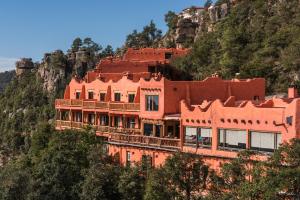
(147,54)
(158,157)
(153,87)
(98,86)
(269,117)
(210,89)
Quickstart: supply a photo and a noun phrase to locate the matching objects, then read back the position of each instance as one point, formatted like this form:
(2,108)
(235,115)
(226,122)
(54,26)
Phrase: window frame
(89,93)
(265,150)
(77,94)
(197,142)
(224,146)
(130,95)
(150,103)
(100,96)
(115,93)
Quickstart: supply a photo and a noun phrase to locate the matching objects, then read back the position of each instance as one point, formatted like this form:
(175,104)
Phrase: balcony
(146,140)
(124,106)
(85,104)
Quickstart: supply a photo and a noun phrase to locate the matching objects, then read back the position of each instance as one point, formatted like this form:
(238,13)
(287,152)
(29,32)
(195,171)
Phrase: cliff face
(56,68)
(194,21)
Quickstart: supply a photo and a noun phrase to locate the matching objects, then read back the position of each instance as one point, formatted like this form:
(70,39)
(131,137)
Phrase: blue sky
(30,28)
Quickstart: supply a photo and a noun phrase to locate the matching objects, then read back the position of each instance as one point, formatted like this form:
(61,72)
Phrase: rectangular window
(90,95)
(117,121)
(148,129)
(168,55)
(131,98)
(78,95)
(130,122)
(103,120)
(234,139)
(158,130)
(191,135)
(128,158)
(204,136)
(263,141)
(200,137)
(117,96)
(152,102)
(91,118)
(102,96)
(78,117)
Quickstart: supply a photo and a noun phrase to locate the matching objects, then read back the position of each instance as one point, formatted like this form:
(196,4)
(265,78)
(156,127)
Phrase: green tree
(171,20)
(184,176)
(132,183)
(77,43)
(208,3)
(149,37)
(107,51)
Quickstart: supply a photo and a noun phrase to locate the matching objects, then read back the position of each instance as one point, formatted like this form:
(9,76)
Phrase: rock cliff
(194,21)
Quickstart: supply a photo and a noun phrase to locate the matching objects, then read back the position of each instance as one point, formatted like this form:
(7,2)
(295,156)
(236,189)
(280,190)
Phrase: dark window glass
(78,117)
(102,96)
(152,102)
(103,120)
(117,96)
(131,98)
(168,55)
(148,129)
(91,95)
(158,130)
(151,69)
(131,122)
(117,121)
(78,95)
(91,118)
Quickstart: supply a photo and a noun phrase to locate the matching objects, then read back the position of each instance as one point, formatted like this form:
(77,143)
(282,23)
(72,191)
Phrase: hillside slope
(257,38)
(5,78)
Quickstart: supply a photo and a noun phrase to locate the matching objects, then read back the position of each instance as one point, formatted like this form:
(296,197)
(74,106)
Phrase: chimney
(292,92)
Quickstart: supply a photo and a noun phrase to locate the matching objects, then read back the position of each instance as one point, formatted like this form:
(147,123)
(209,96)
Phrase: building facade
(151,117)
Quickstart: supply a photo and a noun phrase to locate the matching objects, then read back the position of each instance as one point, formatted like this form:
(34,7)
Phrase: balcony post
(214,138)
(70,117)
(181,133)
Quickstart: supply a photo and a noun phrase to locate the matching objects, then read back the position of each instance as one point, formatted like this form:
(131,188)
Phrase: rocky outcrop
(53,70)
(196,20)
(24,65)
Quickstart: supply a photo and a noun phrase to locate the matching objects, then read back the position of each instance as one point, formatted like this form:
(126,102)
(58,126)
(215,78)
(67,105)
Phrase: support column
(153,130)
(142,127)
(214,139)
(248,139)
(70,117)
(181,134)
(109,120)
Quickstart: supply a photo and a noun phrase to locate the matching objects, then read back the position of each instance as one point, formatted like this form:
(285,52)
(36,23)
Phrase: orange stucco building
(144,115)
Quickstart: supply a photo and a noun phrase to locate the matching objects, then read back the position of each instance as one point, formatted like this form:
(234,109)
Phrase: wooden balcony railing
(76,102)
(102,105)
(124,106)
(114,106)
(146,140)
(89,104)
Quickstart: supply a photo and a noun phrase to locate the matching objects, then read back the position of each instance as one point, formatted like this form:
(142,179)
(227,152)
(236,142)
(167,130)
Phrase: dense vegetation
(5,78)
(37,162)
(257,39)
(74,165)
